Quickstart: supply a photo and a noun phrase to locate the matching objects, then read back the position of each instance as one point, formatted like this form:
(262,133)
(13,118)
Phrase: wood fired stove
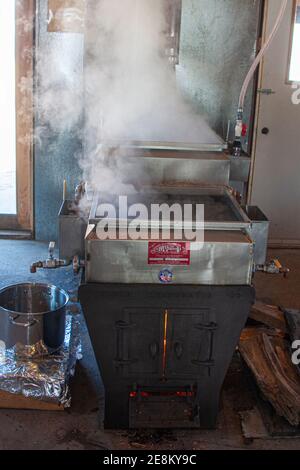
(164,342)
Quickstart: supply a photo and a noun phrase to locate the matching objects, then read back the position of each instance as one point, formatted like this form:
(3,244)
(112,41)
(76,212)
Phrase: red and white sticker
(169,253)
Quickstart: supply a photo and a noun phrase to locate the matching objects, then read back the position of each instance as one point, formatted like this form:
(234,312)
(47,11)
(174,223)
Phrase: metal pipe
(261,54)
(240,128)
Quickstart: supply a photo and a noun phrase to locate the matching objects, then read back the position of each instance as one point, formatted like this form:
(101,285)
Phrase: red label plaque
(169,253)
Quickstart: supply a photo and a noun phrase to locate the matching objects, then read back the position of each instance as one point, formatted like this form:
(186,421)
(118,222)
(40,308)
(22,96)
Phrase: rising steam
(131,89)
(130,94)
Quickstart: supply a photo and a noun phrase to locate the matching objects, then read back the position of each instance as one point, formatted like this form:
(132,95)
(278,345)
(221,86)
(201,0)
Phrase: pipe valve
(273,267)
(50,263)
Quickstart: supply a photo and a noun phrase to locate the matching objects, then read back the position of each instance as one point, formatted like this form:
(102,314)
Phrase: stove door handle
(154,349)
(210,327)
(178,349)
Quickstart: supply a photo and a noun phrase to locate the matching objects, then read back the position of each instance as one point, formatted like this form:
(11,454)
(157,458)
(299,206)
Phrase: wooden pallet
(19,402)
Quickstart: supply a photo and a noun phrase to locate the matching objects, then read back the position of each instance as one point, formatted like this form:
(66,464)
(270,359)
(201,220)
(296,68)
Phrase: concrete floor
(80,426)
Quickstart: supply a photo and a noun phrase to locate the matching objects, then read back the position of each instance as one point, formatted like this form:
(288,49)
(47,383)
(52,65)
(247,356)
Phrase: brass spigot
(50,263)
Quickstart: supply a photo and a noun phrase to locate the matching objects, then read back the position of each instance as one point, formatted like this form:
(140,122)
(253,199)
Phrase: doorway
(275,179)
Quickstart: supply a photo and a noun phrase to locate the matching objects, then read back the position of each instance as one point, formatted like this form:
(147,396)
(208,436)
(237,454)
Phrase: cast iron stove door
(190,343)
(165,344)
(139,336)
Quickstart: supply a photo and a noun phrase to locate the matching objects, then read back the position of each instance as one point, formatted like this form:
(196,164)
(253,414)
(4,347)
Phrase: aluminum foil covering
(44,378)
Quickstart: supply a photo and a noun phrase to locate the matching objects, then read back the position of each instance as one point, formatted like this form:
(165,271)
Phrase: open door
(276,163)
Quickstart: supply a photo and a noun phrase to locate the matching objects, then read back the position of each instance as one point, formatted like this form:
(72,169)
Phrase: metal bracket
(266,91)
(210,363)
(123,325)
(205,327)
(125,362)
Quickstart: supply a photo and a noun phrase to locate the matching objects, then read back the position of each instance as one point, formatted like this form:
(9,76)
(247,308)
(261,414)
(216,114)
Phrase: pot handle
(30,323)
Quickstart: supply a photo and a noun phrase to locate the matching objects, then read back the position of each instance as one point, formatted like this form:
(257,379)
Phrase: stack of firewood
(266,349)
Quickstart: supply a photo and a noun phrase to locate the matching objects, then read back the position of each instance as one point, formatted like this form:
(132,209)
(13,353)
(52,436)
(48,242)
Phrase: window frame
(296,3)
(25,42)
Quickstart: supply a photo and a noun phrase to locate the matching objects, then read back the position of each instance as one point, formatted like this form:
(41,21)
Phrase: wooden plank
(277,426)
(19,402)
(25,26)
(252,331)
(269,315)
(293,322)
(66,16)
(15,235)
(293,325)
(252,425)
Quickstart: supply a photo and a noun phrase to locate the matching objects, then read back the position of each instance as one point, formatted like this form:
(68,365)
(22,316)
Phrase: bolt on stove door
(139,337)
(190,343)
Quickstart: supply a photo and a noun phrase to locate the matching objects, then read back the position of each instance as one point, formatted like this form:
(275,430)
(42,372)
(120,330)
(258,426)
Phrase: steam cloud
(131,89)
(131,92)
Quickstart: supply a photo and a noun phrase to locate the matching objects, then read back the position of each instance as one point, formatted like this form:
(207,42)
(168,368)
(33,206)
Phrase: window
(8,202)
(16,113)
(294,68)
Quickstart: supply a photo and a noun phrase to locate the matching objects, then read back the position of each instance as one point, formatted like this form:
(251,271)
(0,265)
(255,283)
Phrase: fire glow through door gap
(166,318)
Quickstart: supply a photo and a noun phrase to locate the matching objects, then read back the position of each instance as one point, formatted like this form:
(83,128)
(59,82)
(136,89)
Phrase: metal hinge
(125,362)
(266,91)
(123,325)
(210,327)
(210,363)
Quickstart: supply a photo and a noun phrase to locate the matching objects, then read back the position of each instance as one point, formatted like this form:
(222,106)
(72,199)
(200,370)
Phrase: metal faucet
(50,263)
(273,267)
